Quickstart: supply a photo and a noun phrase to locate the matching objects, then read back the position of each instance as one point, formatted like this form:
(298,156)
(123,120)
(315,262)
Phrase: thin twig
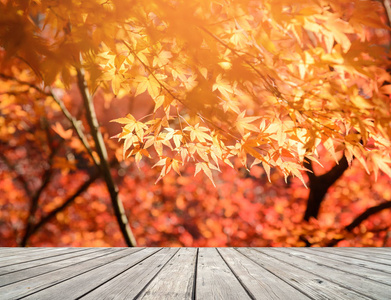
(76,124)
(65,204)
(361,218)
(105,168)
(46,178)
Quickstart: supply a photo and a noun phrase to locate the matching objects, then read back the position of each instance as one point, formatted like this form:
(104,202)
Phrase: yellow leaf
(198,133)
(119,60)
(128,120)
(175,166)
(116,83)
(162,58)
(329,145)
(242,123)
(223,86)
(205,168)
(267,170)
(159,100)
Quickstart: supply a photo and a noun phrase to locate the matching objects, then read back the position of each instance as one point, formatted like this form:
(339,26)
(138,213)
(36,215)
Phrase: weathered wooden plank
(28,255)
(354,265)
(73,258)
(260,283)
(176,280)
(313,286)
(383,253)
(10,251)
(282,273)
(369,257)
(130,283)
(80,285)
(15,250)
(378,250)
(44,260)
(40,282)
(339,258)
(214,278)
(362,285)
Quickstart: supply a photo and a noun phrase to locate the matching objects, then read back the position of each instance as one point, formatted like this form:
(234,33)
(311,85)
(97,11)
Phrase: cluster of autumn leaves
(253,96)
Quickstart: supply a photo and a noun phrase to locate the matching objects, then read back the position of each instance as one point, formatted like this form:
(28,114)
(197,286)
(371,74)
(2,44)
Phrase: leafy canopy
(264,81)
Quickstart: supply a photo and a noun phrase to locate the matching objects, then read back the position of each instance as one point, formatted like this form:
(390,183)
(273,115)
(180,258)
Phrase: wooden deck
(195,273)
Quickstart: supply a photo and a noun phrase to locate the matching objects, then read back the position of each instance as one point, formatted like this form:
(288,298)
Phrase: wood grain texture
(260,283)
(313,286)
(384,251)
(76,267)
(195,273)
(29,255)
(10,251)
(18,267)
(363,255)
(129,284)
(46,268)
(343,278)
(214,278)
(80,285)
(178,274)
(355,263)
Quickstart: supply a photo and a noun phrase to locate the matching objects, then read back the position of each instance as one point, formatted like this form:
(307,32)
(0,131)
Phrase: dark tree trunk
(319,186)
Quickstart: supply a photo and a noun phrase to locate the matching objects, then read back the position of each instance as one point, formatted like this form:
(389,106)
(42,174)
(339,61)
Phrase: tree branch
(336,172)
(362,217)
(366,214)
(66,203)
(47,176)
(105,168)
(76,124)
(310,173)
(319,185)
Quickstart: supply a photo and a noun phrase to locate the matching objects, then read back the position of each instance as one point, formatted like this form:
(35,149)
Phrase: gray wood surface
(195,273)
(353,260)
(10,251)
(259,282)
(215,279)
(339,275)
(312,285)
(378,250)
(29,255)
(178,274)
(39,263)
(78,265)
(362,254)
(129,284)
(85,282)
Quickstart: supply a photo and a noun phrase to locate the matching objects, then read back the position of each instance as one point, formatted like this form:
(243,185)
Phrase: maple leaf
(381,163)
(150,84)
(223,86)
(198,133)
(243,123)
(205,167)
(162,58)
(167,164)
(132,125)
